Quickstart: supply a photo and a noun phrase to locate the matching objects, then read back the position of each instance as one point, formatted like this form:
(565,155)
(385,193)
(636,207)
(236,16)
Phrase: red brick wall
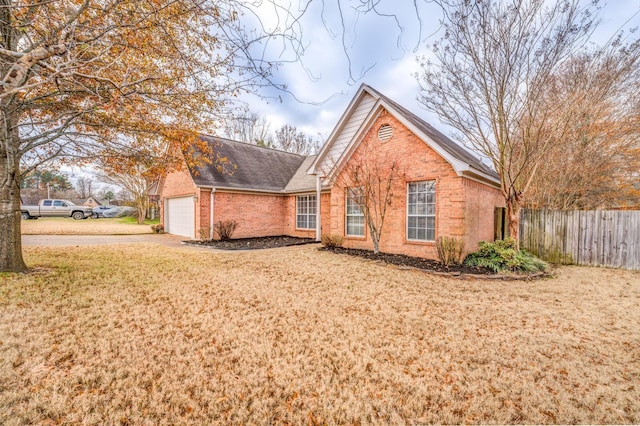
(176,184)
(480,203)
(462,210)
(258,215)
(203,224)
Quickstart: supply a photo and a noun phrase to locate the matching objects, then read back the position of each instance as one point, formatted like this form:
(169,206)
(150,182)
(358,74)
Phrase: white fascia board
(478,176)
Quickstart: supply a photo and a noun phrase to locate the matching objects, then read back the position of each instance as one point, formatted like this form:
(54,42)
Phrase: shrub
(225,229)
(502,255)
(205,233)
(331,240)
(450,250)
(157,229)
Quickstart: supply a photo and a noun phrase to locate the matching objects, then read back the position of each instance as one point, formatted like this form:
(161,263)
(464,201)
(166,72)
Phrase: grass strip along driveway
(145,334)
(67,226)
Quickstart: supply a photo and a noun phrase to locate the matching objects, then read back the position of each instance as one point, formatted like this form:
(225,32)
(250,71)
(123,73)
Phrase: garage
(180,216)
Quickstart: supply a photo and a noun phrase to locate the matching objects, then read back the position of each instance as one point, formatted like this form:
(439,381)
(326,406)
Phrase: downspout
(211,194)
(318,216)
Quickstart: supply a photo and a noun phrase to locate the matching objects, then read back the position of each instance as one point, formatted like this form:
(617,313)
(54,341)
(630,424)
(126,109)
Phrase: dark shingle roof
(250,167)
(301,180)
(453,148)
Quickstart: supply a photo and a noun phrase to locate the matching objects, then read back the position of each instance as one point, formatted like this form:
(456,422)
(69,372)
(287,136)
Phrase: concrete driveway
(92,240)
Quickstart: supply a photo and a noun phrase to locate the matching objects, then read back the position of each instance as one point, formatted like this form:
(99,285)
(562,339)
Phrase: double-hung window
(354,223)
(421,211)
(306,212)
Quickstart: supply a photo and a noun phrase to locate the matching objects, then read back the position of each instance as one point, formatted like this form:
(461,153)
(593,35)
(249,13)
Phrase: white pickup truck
(56,208)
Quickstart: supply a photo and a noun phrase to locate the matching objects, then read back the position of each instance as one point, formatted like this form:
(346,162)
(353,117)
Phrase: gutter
(262,191)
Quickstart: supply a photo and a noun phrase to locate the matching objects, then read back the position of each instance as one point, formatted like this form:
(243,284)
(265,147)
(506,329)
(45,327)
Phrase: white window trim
(347,216)
(435,193)
(309,214)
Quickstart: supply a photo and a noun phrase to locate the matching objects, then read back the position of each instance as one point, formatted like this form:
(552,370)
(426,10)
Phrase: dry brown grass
(141,334)
(68,226)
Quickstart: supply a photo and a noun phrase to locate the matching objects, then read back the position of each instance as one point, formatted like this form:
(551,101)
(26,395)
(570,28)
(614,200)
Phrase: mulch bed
(254,243)
(412,262)
(400,260)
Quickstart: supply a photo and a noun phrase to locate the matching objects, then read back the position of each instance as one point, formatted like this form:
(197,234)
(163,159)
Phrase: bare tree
(249,127)
(84,187)
(489,74)
(370,179)
(289,139)
(136,185)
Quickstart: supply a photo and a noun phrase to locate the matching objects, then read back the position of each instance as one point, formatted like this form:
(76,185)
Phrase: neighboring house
(270,192)
(153,194)
(89,202)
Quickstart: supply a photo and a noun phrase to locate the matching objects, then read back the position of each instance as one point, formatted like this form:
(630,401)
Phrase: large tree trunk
(10,238)
(513,215)
(142,204)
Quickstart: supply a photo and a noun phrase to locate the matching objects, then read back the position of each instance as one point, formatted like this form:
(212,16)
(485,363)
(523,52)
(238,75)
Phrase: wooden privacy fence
(595,238)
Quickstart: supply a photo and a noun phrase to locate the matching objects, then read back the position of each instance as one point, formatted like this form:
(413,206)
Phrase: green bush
(331,240)
(450,250)
(501,255)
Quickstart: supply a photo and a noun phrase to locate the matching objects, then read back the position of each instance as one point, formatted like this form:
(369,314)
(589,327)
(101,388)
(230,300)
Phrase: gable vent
(385,132)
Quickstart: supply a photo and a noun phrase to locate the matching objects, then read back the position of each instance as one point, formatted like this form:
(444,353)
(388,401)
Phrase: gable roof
(250,167)
(81,201)
(364,108)
(452,147)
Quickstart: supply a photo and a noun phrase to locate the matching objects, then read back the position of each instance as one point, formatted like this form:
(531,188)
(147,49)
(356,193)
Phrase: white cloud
(374,42)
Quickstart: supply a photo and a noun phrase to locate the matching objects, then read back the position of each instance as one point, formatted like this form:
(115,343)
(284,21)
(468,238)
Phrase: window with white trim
(421,211)
(306,212)
(354,222)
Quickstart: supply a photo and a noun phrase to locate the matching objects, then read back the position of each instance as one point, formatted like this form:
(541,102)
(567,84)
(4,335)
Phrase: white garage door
(180,216)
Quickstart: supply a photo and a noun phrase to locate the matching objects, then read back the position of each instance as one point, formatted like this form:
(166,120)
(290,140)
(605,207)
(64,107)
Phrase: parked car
(99,210)
(55,208)
(117,211)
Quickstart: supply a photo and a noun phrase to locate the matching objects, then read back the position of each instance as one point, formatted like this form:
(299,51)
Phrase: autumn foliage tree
(596,162)
(84,79)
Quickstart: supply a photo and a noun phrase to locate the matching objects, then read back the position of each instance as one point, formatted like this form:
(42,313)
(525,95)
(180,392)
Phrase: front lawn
(134,221)
(143,334)
(69,226)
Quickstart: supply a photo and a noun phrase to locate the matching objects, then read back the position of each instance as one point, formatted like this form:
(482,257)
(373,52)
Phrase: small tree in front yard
(371,178)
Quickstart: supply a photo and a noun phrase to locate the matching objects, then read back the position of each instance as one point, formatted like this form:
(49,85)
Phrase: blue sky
(382,56)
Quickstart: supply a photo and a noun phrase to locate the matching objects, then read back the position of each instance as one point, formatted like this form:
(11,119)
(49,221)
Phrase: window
(47,203)
(421,211)
(306,212)
(57,203)
(355,216)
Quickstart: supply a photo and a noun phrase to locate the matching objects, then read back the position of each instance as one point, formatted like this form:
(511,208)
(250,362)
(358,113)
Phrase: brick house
(444,189)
